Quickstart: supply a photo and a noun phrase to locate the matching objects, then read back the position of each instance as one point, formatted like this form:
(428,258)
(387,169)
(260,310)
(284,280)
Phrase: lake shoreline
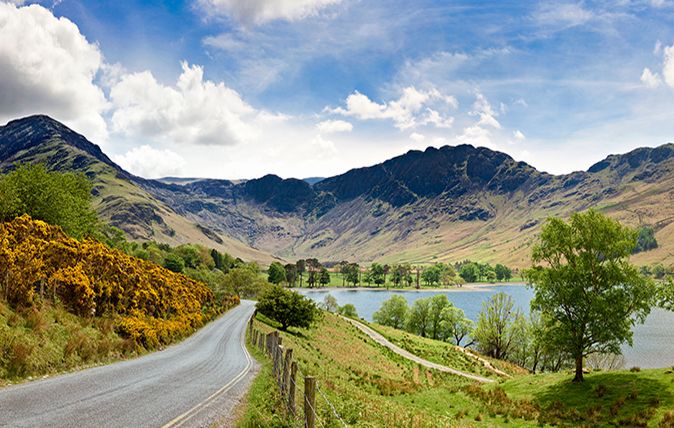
(473,286)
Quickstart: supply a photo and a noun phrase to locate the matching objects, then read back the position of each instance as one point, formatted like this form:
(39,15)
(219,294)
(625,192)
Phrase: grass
(444,353)
(49,340)
(371,386)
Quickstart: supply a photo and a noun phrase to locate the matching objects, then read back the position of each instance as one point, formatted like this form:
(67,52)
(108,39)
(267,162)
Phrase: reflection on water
(653,341)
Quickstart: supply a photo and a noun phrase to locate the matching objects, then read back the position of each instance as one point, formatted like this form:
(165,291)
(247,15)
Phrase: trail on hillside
(403,353)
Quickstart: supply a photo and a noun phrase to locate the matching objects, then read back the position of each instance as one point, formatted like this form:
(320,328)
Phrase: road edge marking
(181,419)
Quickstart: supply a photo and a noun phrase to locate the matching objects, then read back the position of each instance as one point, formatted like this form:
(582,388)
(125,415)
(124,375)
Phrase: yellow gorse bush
(150,304)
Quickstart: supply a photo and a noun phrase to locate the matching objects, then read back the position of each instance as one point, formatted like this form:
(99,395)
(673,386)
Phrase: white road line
(180,420)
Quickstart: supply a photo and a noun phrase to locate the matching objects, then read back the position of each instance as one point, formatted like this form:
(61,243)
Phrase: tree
(645,240)
(432,275)
(376,272)
(276,273)
(348,311)
(291,274)
(454,325)
(494,331)
(437,304)
(287,307)
(330,303)
(324,278)
(301,267)
(352,274)
(503,273)
(589,294)
(419,317)
(62,199)
(659,271)
(470,272)
(393,312)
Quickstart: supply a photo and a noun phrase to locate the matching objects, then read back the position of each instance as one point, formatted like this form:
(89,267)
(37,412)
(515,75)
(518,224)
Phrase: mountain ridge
(436,204)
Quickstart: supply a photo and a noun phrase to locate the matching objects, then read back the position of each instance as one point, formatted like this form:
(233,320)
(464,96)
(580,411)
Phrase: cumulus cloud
(332,126)
(194,111)
(650,79)
(48,66)
(415,136)
(148,162)
(484,111)
(261,11)
(668,65)
(519,135)
(413,108)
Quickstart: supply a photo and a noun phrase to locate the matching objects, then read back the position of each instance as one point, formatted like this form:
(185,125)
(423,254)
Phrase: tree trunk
(579,370)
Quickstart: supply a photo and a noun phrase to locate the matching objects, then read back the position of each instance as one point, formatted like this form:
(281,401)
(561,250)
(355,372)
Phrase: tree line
(312,273)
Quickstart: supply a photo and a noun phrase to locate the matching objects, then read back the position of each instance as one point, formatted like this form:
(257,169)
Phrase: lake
(653,341)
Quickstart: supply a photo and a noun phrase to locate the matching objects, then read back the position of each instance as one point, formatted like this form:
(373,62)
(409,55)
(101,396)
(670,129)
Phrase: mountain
(443,204)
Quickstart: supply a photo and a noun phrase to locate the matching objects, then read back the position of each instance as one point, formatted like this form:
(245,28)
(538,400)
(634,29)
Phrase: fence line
(285,370)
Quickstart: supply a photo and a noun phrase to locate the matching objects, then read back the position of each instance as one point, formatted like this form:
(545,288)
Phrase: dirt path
(384,342)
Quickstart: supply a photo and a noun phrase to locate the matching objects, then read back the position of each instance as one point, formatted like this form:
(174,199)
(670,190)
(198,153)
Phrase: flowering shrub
(151,304)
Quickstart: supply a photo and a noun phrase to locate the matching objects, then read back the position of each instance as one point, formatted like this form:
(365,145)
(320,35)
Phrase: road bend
(197,382)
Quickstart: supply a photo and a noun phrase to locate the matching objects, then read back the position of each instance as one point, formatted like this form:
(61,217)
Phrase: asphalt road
(194,383)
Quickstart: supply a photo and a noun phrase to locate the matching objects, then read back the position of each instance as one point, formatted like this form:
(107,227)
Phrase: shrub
(288,308)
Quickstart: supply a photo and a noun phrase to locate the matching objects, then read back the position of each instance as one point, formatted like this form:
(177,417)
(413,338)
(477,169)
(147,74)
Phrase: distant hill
(443,204)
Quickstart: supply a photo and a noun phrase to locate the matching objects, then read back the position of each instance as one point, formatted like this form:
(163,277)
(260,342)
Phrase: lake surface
(653,341)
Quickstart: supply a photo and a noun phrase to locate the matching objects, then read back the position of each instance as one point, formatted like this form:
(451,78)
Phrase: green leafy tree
(62,199)
(376,272)
(470,272)
(245,281)
(291,274)
(437,304)
(432,275)
(419,319)
(494,331)
(324,278)
(503,273)
(393,312)
(287,307)
(589,294)
(352,274)
(348,310)
(276,273)
(330,303)
(659,271)
(301,268)
(645,240)
(454,325)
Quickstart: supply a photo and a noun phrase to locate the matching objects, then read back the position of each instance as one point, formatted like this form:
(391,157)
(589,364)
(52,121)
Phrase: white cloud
(225,41)
(262,11)
(564,15)
(331,126)
(413,108)
(147,162)
(195,111)
(417,137)
(483,109)
(668,66)
(657,49)
(650,79)
(519,135)
(47,66)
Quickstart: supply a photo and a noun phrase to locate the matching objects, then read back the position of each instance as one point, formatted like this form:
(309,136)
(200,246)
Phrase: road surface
(410,356)
(197,382)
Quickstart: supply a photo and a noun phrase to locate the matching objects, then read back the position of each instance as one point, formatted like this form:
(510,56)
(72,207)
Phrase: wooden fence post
(278,352)
(309,402)
(291,388)
(286,371)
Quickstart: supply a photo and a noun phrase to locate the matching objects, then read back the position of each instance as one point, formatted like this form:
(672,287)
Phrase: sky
(302,88)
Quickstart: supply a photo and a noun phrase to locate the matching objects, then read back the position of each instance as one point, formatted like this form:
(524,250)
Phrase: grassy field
(371,386)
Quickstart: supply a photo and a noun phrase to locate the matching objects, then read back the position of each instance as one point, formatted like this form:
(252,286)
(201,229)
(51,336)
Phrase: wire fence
(298,396)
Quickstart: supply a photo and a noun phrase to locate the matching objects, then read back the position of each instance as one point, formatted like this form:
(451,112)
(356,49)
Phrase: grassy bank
(371,386)
(42,341)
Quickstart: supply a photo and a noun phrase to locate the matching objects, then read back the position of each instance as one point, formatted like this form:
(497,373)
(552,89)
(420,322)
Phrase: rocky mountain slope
(440,204)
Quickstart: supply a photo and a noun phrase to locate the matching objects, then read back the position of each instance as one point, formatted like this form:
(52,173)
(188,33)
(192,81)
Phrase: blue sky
(240,88)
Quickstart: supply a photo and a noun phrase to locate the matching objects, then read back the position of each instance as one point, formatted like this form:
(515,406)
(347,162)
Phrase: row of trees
(396,275)
(434,317)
